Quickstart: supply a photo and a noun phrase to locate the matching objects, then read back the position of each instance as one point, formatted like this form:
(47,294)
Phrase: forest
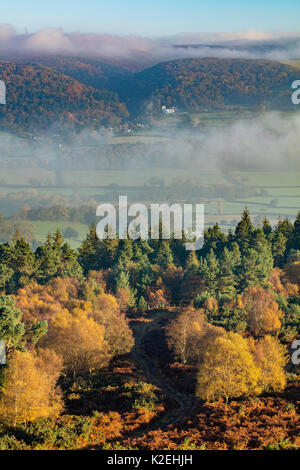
(50,91)
(216,325)
(39,97)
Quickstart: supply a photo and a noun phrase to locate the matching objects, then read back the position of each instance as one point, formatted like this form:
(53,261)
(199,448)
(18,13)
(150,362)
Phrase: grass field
(23,176)
(140,178)
(265,179)
(136,138)
(42,228)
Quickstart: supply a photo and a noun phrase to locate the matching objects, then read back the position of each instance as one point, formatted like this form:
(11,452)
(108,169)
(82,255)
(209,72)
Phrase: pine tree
(142,305)
(209,271)
(22,262)
(214,239)
(279,242)
(91,252)
(244,230)
(294,242)
(12,330)
(163,256)
(124,251)
(267,229)
(192,262)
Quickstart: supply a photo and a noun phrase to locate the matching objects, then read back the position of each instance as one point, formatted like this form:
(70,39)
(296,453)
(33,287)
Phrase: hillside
(39,97)
(90,72)
(196,84)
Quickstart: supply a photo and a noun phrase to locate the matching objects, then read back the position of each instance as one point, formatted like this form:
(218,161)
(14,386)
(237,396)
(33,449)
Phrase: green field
(136,138)
(42,228)
(265,179)
(140,178)
(23,176)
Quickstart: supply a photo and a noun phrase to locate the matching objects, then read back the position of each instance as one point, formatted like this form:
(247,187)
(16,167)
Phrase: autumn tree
(117,332)
(271,358)
(228,369)
(262,310)
(79,340)
(29,391)
(184,332)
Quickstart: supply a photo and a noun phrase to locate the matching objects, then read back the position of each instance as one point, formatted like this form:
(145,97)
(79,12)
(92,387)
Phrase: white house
(166,110)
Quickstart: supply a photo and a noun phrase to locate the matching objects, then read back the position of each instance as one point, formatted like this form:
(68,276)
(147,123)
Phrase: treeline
(226,264)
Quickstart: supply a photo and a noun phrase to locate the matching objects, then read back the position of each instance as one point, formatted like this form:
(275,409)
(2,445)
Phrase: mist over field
(270,141)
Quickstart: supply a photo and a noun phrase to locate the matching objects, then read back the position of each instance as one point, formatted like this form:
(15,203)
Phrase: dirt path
(184,403)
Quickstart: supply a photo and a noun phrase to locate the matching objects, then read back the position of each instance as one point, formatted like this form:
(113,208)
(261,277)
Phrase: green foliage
(12,330)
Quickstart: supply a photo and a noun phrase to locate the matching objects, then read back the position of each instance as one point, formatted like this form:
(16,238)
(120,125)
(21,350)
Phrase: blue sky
(152,17)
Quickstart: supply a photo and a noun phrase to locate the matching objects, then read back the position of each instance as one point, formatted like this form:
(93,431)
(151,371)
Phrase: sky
(152,18)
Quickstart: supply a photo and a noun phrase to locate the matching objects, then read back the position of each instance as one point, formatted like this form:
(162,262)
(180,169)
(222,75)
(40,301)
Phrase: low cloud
(249,44)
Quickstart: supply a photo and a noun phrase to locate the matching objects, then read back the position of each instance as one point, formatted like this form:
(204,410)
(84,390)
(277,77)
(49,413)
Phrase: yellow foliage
(29,391)
(79,339)
(228,369)
(271,358)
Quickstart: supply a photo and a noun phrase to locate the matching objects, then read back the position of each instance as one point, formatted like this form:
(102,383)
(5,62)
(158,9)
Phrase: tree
(124,251)
(29,390)
(22,262)
(256,265)
(163,256)
(295,236)
(183,334)
(192,262)
(213,239)
(271,358)
(79,340)
(228,369)
(142,305)
(5,275)
(12,330)
(209,270)
(229,265)
(244,230)
(267,229)
(279,242)
(48,260)
(90,252)
(262,310)
(123,288)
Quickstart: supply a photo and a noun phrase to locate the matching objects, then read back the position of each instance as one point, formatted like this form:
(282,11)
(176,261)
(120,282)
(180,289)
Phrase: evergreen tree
(244,230)
(12,330)
(209,271)
(163,256)
(256,266)
(69,266)
(294,242)
(267,229)
(192,262)
(48,261)
(91,252)
(22,262)
(142,305)
(214,239)
(124,251)
(279,242)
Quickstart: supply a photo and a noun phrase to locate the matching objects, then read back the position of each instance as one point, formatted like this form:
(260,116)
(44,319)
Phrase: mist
(145,51)
(268,141)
